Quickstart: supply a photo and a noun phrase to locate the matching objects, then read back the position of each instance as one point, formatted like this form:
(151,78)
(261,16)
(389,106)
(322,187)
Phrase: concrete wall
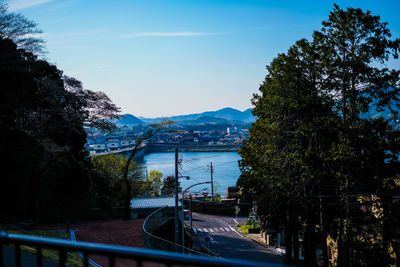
(218,208)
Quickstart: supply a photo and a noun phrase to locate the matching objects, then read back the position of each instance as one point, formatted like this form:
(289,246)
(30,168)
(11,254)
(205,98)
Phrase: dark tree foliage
(21,30)
(44,166)
(168,187)
(98,107)
(317,162)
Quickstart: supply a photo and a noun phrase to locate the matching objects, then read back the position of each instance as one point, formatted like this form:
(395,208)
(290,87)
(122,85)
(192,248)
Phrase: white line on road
(235,221)
(205,230)
(227,229)
(222,229)
(211,230)
(235,231)
(216,229)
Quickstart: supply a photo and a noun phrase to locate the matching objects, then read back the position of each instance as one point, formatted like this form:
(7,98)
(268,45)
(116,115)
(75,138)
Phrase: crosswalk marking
(215,229)
(235,231)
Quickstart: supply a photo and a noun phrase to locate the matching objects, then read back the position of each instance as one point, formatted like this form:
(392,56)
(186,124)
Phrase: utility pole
(190,209)
(212,184)
(176,200)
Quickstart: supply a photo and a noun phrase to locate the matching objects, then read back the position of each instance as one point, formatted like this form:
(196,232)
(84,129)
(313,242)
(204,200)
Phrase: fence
(141,256)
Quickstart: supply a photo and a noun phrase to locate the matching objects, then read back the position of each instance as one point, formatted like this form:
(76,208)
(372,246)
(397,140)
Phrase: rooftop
(153,202)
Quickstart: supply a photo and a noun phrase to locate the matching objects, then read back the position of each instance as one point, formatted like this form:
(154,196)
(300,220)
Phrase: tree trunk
(128,187)
(288,239)
(309,242)
(295,242)
(386,227)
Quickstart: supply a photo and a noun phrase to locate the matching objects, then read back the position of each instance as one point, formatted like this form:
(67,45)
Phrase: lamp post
(177,176)
(190,207)
(183,218)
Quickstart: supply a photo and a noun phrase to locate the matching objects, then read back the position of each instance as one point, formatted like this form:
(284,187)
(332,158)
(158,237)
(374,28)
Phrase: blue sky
(162,58)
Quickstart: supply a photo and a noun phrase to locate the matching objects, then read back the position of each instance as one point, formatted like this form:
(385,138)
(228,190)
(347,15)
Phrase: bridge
(141,152)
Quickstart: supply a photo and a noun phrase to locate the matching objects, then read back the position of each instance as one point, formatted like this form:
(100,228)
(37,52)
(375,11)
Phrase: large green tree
(355,47)
(284,160)
(316,146)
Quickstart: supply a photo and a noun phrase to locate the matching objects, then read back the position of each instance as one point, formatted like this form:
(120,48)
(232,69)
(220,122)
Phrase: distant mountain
(129,120)
(229,114)
(204,120)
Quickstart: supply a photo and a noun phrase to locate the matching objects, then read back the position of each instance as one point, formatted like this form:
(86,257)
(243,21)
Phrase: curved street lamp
(183,218)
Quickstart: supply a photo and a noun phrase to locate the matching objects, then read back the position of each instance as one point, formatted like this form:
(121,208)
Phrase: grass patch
(73,259)
(248,225)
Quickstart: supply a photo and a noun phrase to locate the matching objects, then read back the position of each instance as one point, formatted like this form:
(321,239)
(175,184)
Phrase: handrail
(113,252)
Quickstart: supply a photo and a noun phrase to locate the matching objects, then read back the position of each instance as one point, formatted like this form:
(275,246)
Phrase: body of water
(197,166)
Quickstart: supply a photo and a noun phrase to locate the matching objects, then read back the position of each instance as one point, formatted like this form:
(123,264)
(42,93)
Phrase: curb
(264,245)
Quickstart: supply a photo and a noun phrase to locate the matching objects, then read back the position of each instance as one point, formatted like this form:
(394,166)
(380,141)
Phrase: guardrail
(112,252)
(154,221)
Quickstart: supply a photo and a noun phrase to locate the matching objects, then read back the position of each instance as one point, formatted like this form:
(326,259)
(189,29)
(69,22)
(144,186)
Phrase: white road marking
(222,229)
(216,229)
(235,221)
(205,230)
(235,231)
(227,229)
(211,230)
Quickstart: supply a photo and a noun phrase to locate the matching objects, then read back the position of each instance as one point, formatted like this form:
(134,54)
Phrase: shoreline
(170,147)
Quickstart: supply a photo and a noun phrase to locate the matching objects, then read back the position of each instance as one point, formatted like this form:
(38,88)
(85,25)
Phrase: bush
(250,224)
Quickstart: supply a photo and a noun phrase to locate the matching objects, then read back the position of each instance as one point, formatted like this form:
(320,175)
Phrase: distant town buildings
(124,138)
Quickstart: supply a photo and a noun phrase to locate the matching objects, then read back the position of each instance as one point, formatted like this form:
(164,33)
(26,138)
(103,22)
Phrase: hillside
(128,119)
(228,114)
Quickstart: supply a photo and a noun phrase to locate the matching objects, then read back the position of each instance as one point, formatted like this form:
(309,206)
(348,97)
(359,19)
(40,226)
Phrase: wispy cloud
(15,5)
(166,34)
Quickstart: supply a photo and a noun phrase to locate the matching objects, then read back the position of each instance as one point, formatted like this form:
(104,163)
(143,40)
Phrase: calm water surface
(197,166)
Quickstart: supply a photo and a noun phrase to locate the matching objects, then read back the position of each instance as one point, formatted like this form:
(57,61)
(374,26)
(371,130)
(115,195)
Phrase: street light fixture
(183,218)
(190,207)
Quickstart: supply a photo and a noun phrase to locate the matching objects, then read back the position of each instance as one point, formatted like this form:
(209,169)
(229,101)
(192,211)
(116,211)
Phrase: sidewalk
(257,238)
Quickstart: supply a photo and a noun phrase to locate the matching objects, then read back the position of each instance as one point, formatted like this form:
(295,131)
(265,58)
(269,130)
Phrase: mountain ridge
(227,113)
(224,115)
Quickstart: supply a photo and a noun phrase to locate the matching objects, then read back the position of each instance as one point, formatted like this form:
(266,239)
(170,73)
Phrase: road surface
(227,240)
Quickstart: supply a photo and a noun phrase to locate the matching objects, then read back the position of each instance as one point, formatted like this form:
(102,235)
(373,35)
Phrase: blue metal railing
(112,252)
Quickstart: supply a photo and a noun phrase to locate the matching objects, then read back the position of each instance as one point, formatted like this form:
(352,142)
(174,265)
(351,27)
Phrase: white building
(113,144)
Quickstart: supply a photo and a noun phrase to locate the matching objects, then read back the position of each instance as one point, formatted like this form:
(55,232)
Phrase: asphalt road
(230,242)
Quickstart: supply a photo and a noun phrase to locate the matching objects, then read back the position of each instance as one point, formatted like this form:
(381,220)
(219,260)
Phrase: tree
(152,186)
(98,107)
(314,137)
(108,186)
(355,46)
(285,154)
(41,139)
(156,128)
(168,188)
(22,31)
